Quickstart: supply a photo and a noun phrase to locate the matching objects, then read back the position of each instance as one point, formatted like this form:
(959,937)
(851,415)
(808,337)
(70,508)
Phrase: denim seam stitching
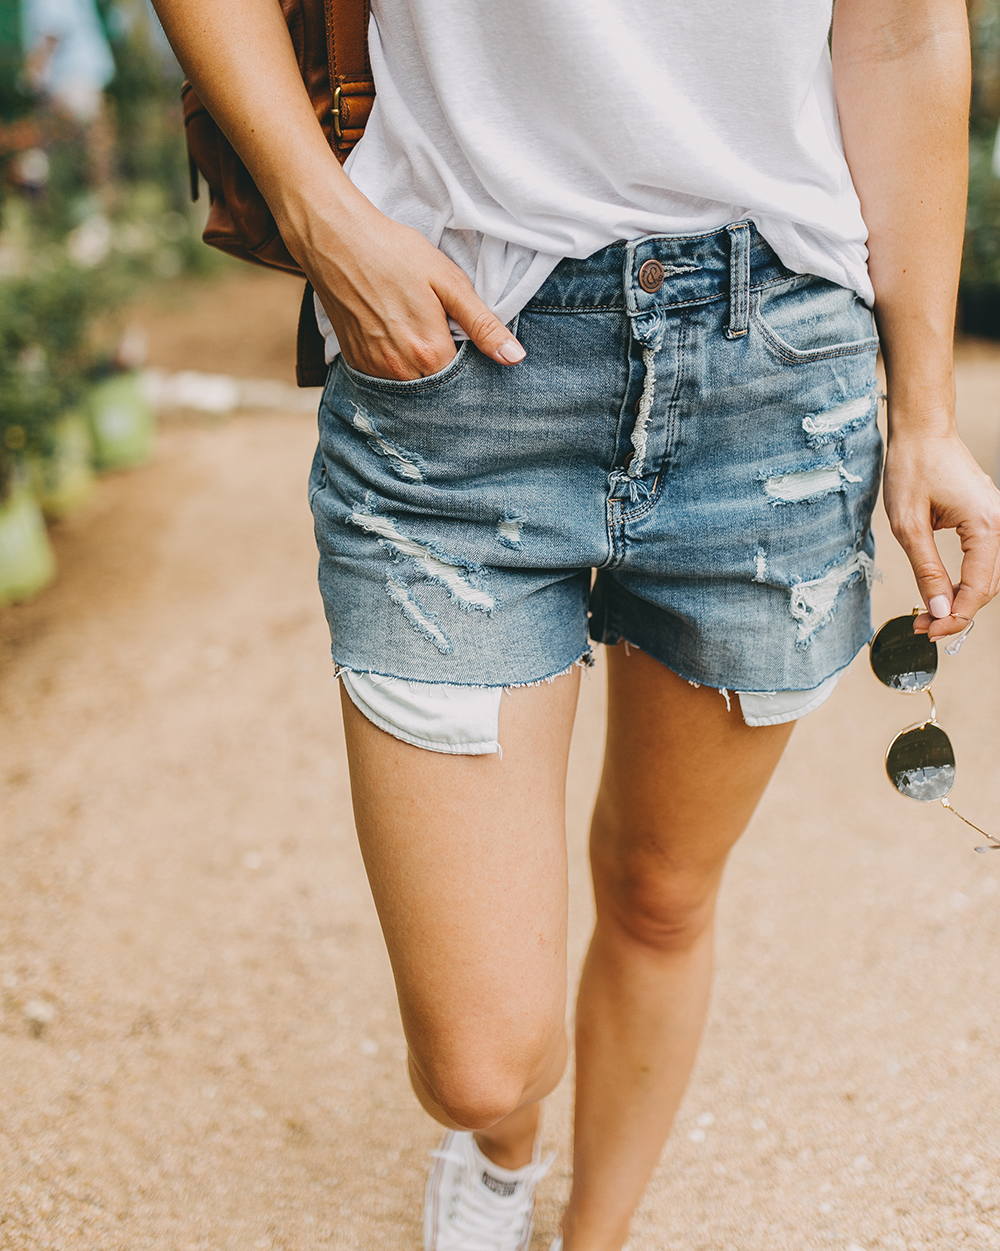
(586,308)
(796,356)
(793,357)
(409,385)
(623,308)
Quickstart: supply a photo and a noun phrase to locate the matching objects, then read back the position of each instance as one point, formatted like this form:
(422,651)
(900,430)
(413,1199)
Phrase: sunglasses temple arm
(994,842)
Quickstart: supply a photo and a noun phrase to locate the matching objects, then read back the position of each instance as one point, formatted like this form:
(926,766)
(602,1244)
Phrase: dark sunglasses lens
(901,659)
(921,763)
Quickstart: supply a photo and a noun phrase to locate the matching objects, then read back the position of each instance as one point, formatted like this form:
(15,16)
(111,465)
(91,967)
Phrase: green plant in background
(981,259)
(91,206)
(984,25)
(158,228)
(47,353)
(27,563)
(121,422)
(75,244)
(14,101)
(116,185)
(29,398)
(64,406)
(144,96)
(979,294)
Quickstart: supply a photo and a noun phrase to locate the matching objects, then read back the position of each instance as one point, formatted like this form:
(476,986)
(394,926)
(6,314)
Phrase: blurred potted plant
(63,479)
(48,318)
(66,307)
(122,420)
(27,562)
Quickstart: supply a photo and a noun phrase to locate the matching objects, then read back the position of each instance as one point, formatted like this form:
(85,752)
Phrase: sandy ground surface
(199,1046)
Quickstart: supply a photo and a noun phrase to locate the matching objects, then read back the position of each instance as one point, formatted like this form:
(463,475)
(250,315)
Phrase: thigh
(466,856)
(682,776)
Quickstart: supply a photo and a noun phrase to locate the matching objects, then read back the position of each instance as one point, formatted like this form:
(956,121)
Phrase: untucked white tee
(513,133)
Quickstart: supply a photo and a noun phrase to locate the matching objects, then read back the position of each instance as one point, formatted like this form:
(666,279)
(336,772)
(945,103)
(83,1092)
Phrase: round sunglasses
(920,760)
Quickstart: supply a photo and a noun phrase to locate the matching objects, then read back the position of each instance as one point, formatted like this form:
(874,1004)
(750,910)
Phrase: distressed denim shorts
(693,421)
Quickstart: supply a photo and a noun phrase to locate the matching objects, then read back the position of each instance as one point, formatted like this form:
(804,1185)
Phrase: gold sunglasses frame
(994,843)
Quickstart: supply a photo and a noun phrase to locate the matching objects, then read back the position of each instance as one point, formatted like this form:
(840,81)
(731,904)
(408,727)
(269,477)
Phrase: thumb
(486,331)
(932,578)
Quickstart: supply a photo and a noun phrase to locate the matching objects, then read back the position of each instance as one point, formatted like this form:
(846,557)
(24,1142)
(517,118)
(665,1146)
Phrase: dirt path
(199,1046)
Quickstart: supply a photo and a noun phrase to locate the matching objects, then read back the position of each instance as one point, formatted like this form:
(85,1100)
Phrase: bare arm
(901,69)
(386,289)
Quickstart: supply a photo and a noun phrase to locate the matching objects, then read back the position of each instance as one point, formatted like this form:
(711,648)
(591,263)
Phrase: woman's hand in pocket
(389,293)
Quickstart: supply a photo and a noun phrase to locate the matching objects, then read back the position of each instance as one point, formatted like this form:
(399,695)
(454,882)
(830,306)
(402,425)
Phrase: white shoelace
(476,1219)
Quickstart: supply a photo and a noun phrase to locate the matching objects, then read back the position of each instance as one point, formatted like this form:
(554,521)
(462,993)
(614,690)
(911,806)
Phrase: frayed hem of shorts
(584,661)
(728,691)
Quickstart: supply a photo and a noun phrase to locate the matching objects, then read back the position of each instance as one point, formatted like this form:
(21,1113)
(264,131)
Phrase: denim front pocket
(809,319)
(371,383)
(414,433)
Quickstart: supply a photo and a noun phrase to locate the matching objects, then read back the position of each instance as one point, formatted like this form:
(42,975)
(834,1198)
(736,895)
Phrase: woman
(651,224)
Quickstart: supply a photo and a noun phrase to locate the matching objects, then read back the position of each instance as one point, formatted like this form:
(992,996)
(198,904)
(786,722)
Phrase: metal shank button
(651,276)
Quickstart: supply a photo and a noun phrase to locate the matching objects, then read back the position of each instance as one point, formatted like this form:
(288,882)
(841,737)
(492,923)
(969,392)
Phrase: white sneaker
(472,1204)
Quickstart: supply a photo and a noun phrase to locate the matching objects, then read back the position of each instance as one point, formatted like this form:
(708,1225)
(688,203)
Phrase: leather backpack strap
(350,70)
(353,93)
(310,348)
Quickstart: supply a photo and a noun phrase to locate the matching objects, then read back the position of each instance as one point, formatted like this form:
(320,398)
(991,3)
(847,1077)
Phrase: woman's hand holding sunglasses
(932,482)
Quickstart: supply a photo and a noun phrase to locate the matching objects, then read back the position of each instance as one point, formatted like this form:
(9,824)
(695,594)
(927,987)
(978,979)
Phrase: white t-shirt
(513,133)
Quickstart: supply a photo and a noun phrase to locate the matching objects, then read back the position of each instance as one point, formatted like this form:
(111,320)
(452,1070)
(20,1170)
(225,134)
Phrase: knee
(666,909)
(477,1099)
(478,1084)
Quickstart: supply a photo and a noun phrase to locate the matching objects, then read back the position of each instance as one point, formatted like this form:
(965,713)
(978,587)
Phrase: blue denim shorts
(687,459)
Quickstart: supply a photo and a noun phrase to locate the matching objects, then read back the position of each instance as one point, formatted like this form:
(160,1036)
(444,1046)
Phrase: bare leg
(682,777)
(466,857)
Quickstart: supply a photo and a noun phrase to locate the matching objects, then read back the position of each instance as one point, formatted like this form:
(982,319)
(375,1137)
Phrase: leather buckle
(352,105)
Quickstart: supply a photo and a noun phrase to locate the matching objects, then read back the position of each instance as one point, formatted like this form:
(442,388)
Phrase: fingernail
(939,606)
(512,352)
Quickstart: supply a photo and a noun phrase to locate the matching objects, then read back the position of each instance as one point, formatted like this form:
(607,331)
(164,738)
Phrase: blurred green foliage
(144,97)
(130,167)
(47,354)
(13,100)
(981,259)
(88,213)
(979,294)
(984,25)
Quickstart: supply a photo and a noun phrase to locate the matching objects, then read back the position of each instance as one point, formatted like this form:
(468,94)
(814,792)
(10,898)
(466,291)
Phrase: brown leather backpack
(330,38)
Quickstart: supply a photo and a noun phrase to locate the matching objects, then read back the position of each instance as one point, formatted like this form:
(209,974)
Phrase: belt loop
(739,280)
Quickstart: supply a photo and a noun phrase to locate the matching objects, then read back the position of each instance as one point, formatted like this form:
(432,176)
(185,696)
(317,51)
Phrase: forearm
(902,75)
(901,70)
(387,290)
(239,56)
